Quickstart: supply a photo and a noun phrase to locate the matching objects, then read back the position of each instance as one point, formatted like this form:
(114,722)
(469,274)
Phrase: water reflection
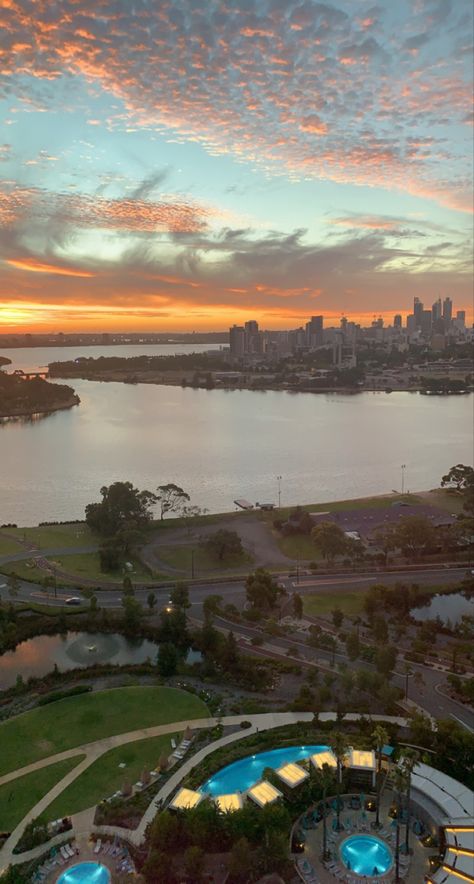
(447,607)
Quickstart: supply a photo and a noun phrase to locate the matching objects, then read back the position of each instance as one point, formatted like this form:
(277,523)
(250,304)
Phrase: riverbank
(33,411)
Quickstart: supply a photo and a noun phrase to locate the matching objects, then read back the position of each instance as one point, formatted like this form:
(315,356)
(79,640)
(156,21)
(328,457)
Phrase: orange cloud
(38,267)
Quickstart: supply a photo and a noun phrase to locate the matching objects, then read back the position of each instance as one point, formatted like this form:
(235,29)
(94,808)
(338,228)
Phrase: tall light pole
(279,491)
(404,466)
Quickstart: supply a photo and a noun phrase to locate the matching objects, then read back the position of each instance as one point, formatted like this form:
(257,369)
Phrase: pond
(37,656)
(447,607)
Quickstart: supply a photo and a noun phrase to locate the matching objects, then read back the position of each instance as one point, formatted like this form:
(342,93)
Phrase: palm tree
(409,760)
(380,738)
(400,783)
(326,780)
(340,748)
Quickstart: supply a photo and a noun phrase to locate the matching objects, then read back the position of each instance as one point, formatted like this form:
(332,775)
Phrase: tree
(223,544)
(409,759)
(158,868)
(121,505)
(110,556)
(297,605)
(191,513)
(171,498)
(326,781)
(353,645)
(167,659)
(262,590)
(380,629)
(339,746)
(230,653)
(385,659)
(13,586)
(380,738)
(241,861)
(179,596)
(127,586)
(385,538)
(94,607)
(151,601)
(211,606)
(194,862)
(133,612)
(459,477)
(337,617)
(330,539)
(415,535)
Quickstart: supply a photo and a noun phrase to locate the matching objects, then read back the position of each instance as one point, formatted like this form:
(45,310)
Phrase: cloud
(263,80)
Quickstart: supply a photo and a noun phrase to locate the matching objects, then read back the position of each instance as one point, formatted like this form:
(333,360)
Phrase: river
(220,445)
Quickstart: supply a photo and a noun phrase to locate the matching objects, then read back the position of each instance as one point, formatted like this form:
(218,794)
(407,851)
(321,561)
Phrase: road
(429,696)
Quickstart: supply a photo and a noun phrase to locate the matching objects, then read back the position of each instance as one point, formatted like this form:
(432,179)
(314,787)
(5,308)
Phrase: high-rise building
(314,331)
(447,311)
(252,337)
(411,324)
(461,317)
(397,321)
(418,311)
(426,323)
(436,310)
(237,340)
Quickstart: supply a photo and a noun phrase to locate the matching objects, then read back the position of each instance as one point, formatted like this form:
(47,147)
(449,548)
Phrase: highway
(429,696)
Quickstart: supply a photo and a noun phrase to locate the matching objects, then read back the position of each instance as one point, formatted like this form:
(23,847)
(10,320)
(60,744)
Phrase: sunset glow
(172,166)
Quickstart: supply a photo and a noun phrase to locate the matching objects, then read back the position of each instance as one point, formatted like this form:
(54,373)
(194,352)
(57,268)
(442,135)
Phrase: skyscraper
(436,310)
(314,331)
(447,311)
(417,311)
(237,340)
(397,321)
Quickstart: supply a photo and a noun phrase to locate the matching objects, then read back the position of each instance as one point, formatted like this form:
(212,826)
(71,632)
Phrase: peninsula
(25,396)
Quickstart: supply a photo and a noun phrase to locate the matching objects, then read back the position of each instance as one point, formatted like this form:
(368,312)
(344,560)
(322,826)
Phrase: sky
(187,164)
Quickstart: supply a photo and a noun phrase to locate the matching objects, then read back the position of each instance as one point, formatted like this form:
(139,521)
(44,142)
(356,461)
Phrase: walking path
(93,751)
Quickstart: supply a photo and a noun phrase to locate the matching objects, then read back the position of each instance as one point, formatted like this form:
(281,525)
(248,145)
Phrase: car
(74,600)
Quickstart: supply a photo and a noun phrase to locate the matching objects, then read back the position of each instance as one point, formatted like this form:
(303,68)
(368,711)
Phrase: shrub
(61,695)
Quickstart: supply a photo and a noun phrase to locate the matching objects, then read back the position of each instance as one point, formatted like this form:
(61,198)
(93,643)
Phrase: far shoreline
(33,412)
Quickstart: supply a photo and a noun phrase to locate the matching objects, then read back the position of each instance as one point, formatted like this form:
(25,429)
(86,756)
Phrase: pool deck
(418,866)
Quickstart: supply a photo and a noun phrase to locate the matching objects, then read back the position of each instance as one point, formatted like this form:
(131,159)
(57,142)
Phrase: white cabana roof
(232,801)
(460,861)
(264,793)
(460,836)
(185,799)
(361,759)
(321,758)
(292,774)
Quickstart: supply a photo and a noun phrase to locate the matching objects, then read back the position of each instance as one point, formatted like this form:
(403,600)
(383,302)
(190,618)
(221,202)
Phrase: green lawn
(298,546)
(105,777)
(204,563)
(78,566)
(57,536)
(76,720)
(19,796)
(350,603)
(378,502)
(9,547)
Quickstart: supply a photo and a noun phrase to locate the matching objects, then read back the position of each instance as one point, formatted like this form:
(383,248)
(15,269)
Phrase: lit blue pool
(243,774)
(85,873)
(366,855)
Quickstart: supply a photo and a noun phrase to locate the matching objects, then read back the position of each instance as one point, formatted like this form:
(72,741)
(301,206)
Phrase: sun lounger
(70,850)
(98,845)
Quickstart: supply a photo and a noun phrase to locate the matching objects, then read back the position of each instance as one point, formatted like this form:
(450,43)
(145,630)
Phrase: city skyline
(170,168)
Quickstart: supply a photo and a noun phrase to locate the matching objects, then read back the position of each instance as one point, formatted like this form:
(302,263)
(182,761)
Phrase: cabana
(264,793)
(185,799)
(292,774)
(322,758)
(362,761)
(230,802)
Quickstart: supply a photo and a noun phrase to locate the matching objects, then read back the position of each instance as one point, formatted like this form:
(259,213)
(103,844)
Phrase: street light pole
(404,466)
(279,491)
(192,562)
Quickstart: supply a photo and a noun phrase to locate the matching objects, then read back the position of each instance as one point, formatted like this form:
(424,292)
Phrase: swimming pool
(366,855)
(85,873)
(243,774)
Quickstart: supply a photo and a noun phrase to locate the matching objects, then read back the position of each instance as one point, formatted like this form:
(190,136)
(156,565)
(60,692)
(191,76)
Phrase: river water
(221,445)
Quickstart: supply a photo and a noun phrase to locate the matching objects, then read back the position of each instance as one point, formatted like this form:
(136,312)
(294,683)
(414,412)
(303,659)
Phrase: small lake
(38,655)
(446,607)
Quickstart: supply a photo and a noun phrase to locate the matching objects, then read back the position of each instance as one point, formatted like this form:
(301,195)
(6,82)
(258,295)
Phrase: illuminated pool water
(366,855)
(85,873)
(243,774)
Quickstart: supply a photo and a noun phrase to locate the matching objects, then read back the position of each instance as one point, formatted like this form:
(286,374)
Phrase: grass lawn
(105,777)
(78,566)
(19,796)
(204,563)
(350,603)
(379,502)
(298,546)
(9,547)
(71,536)
(89,717)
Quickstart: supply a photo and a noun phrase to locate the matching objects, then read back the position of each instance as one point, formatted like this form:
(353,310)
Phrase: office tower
(418,311)
(426,323)
(397,321)
(252,337)
(314,331)
(237,340)
(461,318)
(436,310)
(411,324)
(447,311)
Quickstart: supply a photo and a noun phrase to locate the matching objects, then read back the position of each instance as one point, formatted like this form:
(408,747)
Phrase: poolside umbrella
(163,762)
(188,733)
(145,776)
(127,788)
